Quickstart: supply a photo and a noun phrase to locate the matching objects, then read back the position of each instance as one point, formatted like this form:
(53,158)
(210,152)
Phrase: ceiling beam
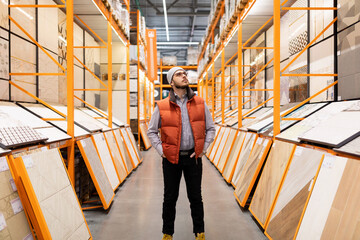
(153,6)
(172,4)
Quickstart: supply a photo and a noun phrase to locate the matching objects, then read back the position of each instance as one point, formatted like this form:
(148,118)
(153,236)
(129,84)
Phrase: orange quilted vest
(170,114)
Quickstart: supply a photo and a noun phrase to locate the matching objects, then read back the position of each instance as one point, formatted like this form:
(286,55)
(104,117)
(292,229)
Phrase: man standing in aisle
(187,129)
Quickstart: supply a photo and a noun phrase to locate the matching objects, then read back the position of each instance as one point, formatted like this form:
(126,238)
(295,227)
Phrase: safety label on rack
(3,164)
(12,183)
(2,222)
(16,205)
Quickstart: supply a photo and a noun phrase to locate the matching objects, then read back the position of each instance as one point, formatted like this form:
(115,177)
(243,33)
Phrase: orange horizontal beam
(37,74)
(309,8)
(35,6)
(90,47)
(184,67)
(310,75)
(100,117)
(90,89)
(249,117)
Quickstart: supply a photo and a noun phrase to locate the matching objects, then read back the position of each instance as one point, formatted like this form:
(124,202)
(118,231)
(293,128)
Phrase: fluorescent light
(177,43)
(166,21)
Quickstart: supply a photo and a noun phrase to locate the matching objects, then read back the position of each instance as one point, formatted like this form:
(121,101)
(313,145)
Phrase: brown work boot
(200,236)
(167,237)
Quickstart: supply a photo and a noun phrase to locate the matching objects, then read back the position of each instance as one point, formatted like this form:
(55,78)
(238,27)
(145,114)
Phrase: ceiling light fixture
(166,21)
(177,43)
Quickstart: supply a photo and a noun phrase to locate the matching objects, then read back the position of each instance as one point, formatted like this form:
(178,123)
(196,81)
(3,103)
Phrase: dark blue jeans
(192,169)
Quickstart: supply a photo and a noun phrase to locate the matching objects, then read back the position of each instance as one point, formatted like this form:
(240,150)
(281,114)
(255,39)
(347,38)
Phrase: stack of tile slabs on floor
(51,195)
(134,143)
(270,180)
(294,132)
(248,145)
(332,211)
(124,152)
(227,149)
(217,140)
(145,138)
(15,113)
(251,170)
(352,148)
(293,194)
(301,112)
(116,155)
(97,171)
(13,221)
(233,156)
(129,147)
(106,159)
(221,146)
(45,112)
(335,131)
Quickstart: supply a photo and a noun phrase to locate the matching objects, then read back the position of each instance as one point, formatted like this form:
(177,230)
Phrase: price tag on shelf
(12,183)
(16,205)
(298,151)
(2,222)
(329,161)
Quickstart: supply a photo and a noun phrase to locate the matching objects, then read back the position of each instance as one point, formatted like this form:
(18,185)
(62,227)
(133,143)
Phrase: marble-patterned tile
(352,147)
(4,20)
(25,17)
(221,146)
(322,61)
(4,59)
(78,84)
(48,85)
(319,19)
(124,152)
(284,85)
(257,58)
(129,147)
(48,26)
(4,90)
(298,38)
(78,41)
(348,59)
(134,143)
(348,13)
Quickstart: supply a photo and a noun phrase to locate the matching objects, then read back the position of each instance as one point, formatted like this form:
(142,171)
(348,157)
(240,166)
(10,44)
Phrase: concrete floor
(136,211)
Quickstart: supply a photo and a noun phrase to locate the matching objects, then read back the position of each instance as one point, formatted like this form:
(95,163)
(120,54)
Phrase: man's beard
(180,86)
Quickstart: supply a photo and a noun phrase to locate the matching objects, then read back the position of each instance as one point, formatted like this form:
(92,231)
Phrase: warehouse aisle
(136,210)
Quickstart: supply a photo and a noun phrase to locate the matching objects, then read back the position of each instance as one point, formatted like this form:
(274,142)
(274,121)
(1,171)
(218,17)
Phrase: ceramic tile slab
(322,198)
(270,180)
(25,18)
(322,61)
(301,112)
(134,143)
(12,225)
(294,193)
(4,20)
(54,194)
(335,131)
(106,159)
(244,155)
(296,131)
(348,54)
(352,147)
(48,21)
(48,85)
(224,156)
(4,58)
(348,14)
(129,147)
(116,155)
(78,131)
(259,114)
(217,129)
(233,156)
(96,170)
(4,90)
(221,146)
(251,169)
(104,121)
(16,114)
(123,150)
(216,144)
(53,134)
(321,18)
(144,136)
(263,123)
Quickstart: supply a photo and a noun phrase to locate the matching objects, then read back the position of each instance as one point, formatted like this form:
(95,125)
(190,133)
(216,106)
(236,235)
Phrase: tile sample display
(284,85)
(48,21)
(12,225)
(335,131)
(251,170)
(247,147)
(352,147)
(48,85)
(270,180)
(348,13)
(123,151)
(348,56)
(298,28)
(296,131)
(258,115)
(4,90)
(4,20)
(97,171)
(321,18)
(217,128)
(129,147)
(25,17)
(116,155)
(53,134)
(4,59)
(134,143)
(301,112)
(233,156)
(54,194)
(322,61)
(96,114)
(294,193)
(333,209)
(224,156)
(221,146)
(106,159)
(145,138)
(216,143)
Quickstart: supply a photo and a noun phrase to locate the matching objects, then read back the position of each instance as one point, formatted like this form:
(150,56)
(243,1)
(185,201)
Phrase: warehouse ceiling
(187,21)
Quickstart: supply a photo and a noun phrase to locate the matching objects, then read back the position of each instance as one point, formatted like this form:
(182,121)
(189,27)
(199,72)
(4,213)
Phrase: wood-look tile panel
(227,148)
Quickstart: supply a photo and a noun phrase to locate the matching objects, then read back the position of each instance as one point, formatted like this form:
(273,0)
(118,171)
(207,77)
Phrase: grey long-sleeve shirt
(187,137)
